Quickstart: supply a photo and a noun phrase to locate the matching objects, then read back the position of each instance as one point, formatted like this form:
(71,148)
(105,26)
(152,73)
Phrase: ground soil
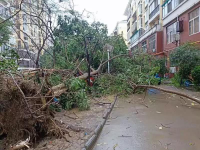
(74,120)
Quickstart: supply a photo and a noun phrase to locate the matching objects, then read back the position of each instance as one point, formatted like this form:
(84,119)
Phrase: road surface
(161,121)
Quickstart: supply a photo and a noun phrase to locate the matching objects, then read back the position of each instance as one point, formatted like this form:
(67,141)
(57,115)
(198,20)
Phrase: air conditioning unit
(179,26)
(172,69)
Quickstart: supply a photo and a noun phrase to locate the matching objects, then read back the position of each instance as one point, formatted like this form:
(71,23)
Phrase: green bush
(186,57)
(55,79)
(176,80)
(8,61)
(196,75)
(76,95)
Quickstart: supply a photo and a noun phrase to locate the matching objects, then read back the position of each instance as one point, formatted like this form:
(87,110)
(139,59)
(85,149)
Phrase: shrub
(176,80)
(186,57)
(196,75)
(55,79)
(76,95)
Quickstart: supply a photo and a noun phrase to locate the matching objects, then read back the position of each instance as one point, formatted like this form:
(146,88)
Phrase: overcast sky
(108,12)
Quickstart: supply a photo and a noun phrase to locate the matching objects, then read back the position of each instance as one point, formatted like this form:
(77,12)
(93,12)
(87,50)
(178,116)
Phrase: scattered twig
(75,114)
(165,126)
(22,145)
(168,145)
(101,103)
(160,142)
(128,127)
(114,118)
(136,112)
(124,136)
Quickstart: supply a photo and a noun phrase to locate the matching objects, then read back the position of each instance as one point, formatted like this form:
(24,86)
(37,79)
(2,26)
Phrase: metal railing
(154,12)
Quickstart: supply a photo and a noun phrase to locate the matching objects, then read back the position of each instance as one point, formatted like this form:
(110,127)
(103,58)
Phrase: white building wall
(185,5)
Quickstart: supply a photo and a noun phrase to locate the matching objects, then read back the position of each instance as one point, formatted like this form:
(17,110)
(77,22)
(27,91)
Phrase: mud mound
(24,116)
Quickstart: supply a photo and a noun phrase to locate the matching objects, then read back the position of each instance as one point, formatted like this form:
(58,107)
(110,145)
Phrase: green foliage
(176,80)
(4,33)
(186,57)
(46,60)
(76,97)
(196,75)
(8,61)
(111,84)
(161,63)
(55,79)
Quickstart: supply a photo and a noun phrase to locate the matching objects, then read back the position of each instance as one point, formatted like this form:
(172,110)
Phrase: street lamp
(88,39)
(109,48)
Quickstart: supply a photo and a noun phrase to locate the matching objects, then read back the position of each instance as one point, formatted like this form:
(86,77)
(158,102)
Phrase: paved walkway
(162,121)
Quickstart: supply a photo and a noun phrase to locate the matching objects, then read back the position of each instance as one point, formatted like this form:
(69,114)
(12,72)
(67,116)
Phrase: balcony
(134,27)
(154,12)
(141,34)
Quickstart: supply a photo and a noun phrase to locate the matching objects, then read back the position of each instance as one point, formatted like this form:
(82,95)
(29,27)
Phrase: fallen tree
(135,87)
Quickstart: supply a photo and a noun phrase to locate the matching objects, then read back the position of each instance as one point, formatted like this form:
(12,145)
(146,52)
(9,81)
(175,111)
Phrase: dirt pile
(23,112)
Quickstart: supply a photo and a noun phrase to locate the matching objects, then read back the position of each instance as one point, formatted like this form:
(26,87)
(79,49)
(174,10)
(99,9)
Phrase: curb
(90,143)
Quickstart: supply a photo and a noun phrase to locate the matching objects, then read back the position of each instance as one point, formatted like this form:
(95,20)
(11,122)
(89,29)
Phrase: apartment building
(26,35)
(121,29)
(144,26)
(4,13)
(181,23)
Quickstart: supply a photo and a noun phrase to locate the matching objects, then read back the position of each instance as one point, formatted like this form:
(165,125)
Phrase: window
(153,5)
(152,43)
(194,21)
(140,23)
(144,46)
(18,34)
(146,16)
(169,6)
(25,37)
(171,32)
(19,44)
(140,8)
(26,45)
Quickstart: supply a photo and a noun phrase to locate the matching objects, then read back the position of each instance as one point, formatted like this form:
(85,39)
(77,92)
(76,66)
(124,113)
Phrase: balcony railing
(154,12)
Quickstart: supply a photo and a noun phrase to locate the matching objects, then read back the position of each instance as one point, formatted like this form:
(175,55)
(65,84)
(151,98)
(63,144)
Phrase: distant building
(26,36)
(121,29)
(144,25)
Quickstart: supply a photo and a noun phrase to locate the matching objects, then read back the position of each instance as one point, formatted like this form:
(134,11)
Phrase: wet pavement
(161,121)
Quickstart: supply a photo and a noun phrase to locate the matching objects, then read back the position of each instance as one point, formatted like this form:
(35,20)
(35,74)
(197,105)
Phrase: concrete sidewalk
(161,121)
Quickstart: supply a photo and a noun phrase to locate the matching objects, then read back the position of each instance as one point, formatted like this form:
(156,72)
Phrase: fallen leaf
(192,104)
(115,146)
(101,144)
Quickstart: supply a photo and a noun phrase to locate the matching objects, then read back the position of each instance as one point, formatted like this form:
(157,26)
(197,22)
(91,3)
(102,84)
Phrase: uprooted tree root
(19,122)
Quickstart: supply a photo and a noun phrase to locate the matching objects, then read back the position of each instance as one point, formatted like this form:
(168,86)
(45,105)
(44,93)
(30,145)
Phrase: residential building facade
(181,24)
(121,29)
(144,26)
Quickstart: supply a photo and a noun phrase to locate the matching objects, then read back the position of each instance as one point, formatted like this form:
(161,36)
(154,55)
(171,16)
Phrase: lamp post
(108,61)
(109,48)
(88,39)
